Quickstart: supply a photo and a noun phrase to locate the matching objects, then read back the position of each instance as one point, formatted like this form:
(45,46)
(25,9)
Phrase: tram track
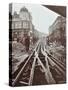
(38,69)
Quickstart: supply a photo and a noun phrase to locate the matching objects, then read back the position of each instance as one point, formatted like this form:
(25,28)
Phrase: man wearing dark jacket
(27,43)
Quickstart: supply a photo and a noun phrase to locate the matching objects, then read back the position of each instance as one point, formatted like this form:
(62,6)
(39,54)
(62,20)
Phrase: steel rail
(17,77)
(51,60)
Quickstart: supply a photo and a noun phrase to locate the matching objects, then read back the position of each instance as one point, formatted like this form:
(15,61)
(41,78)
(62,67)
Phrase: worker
(27,43)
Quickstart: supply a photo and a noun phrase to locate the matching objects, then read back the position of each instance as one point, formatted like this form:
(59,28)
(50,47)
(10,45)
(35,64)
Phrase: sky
(42,17)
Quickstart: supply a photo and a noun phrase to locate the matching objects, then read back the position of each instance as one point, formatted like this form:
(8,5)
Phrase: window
(12,25)
(17,24)
(25,24)
(20,26)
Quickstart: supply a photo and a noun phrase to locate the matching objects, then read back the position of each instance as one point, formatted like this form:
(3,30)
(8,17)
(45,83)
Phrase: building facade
(21,24)
(57,31)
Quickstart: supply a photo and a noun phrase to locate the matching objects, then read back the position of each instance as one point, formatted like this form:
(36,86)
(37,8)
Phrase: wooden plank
(33,66)
(57,66)
(32,72)
(48,74)
(23,82)
(44,53)
(17,77)
(54,57)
